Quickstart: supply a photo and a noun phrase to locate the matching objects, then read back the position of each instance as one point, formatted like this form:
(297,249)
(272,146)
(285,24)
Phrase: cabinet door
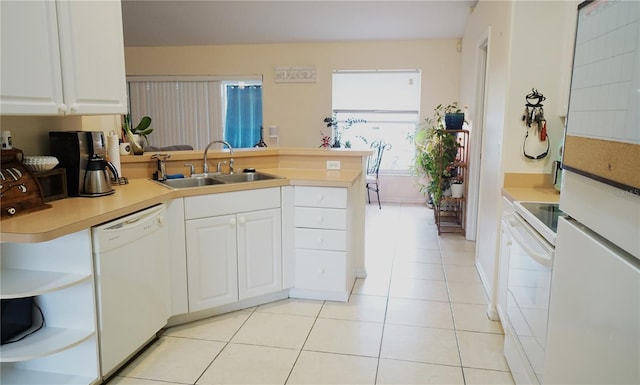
(30,81)
(259,253)
(211,262)
(92,52)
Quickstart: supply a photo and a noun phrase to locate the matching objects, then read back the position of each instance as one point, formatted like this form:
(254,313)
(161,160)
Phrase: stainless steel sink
(245,177)
(191,182)
(213,179)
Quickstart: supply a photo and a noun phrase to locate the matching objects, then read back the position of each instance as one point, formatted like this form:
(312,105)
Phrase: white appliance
(132,283)
(528,250)
(594,315)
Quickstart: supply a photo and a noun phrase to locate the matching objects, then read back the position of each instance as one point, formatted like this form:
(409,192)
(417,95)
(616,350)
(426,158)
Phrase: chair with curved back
(373,168)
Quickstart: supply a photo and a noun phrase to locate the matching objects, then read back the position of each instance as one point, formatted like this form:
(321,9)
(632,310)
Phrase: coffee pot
(96,179)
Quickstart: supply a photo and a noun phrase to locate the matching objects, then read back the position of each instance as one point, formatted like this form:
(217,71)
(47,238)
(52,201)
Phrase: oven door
(530,259)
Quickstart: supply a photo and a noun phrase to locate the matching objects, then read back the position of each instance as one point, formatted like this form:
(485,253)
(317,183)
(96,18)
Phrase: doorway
(477,136)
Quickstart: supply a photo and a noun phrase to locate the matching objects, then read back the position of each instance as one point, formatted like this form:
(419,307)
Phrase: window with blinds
(184,110)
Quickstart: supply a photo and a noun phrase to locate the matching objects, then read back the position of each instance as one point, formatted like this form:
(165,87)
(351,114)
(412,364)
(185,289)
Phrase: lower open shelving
(58,275)
(76,366)
(450,215)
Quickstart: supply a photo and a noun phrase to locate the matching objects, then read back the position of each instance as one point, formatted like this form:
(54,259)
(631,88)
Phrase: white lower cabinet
(235,255)
(212,256)
(323,265)
(259,253)
(59,275)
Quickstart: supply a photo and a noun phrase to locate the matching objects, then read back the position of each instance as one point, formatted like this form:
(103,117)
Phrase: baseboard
(245,303)
(492,312)
(340,296)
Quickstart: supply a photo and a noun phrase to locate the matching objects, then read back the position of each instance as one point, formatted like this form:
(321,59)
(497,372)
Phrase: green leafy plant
(143,128)
(332,122)
(436,151)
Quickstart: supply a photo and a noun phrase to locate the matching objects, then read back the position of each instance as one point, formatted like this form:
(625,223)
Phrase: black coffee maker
(83,154)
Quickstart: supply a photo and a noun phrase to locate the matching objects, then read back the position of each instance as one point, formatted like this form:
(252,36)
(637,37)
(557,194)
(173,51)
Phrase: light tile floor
(418,318)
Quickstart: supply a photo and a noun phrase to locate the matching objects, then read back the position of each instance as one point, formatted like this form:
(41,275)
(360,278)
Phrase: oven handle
(512,223)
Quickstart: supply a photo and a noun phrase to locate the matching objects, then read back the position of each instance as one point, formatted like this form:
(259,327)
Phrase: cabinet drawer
(320,218)
(321,239)
(335,197)
(320,270)
(204,206)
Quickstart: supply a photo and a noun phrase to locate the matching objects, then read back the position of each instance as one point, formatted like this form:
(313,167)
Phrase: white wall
(527,49)
(489,19)
(298,109)
(31,133)
(539,35)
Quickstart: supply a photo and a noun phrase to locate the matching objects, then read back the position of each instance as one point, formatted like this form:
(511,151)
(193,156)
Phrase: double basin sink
(200,180)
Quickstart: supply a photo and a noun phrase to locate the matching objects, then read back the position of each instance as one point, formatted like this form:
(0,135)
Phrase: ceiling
(187,22)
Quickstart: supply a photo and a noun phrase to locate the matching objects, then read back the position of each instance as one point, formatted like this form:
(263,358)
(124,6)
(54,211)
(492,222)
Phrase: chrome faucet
(206,150)
(161,166)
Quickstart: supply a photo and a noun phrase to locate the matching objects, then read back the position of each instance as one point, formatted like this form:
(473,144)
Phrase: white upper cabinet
(62,58)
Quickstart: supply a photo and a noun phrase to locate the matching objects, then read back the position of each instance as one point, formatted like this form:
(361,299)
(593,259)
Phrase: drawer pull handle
(320,219)
(320,240)
(242,220)
(320,271)
(232,221)
(319,197)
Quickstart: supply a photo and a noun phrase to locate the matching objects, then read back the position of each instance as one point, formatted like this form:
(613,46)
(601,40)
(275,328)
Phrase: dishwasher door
(132,283)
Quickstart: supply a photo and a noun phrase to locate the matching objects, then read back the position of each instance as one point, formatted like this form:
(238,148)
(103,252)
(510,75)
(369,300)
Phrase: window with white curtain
(184,109)
(389,101)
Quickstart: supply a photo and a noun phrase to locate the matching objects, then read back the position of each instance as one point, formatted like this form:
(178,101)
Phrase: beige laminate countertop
(70,215)
(531,194)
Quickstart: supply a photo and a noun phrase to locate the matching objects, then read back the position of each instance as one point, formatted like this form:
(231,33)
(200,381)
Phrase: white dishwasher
(131,256)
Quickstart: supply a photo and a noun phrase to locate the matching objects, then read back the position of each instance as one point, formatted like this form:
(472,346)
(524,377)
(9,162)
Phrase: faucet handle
(192,168)
(161,157)
(219,168)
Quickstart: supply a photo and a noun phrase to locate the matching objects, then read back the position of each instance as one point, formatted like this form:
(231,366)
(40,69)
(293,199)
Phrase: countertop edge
(163,194)
(515,194)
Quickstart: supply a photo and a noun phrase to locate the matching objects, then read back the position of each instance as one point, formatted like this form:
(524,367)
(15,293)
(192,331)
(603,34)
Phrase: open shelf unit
(450,213)
(58,274)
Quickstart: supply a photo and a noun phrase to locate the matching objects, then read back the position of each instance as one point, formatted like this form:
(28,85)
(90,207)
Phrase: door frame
(482,49)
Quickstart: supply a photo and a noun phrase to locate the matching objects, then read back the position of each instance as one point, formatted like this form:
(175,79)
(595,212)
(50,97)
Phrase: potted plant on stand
(436,150)
(453,116)
(136,134)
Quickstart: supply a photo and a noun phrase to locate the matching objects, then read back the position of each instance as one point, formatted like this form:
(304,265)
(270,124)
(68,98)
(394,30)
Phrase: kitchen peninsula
(320,217)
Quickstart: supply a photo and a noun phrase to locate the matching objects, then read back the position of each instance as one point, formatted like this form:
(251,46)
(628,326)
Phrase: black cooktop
(547,213)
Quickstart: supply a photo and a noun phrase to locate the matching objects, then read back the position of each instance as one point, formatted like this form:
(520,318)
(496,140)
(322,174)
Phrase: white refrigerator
(594,314)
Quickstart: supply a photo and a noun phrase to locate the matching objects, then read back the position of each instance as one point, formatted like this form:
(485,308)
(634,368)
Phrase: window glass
(389,103)
(192,110)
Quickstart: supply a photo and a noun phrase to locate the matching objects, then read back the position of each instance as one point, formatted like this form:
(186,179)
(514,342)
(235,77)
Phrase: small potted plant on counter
(134,134)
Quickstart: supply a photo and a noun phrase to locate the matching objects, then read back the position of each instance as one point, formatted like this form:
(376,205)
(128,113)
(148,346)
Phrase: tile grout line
(225,345)
(455,327)
(304,343)
(386,309)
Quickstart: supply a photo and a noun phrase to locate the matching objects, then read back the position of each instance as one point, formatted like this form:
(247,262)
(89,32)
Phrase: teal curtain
(244,115)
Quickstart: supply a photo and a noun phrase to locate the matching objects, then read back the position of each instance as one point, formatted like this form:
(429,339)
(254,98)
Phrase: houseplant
(337,130)
(436,150)
(143,129)
(453,115)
